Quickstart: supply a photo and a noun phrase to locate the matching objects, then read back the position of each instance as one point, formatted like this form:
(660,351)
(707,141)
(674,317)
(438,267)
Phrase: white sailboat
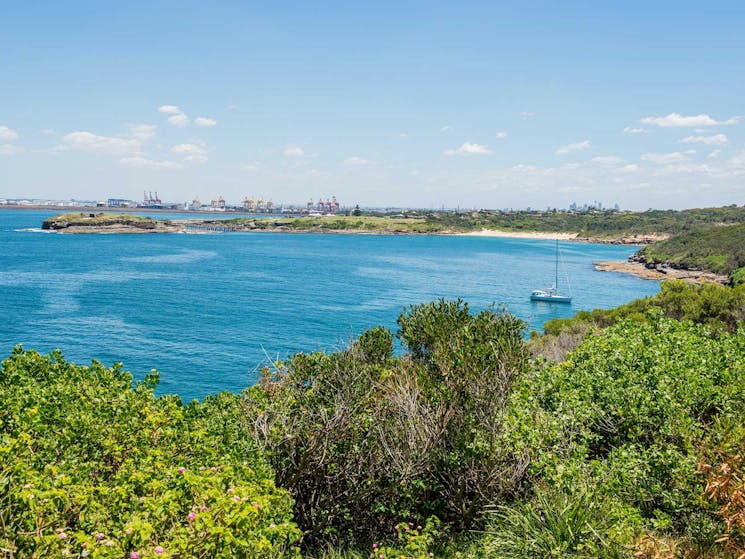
(551,294)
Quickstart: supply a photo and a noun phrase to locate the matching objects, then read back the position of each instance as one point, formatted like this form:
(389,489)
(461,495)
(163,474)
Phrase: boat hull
(551,298)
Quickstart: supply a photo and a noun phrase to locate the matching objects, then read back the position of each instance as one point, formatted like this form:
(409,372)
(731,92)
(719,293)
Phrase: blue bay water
(207,311)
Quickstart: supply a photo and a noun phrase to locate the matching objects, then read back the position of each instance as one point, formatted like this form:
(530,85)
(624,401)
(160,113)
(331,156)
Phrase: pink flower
(375,546)
(191,516)
(108,543)
(159,550)
(181,470)
(256,505)
(134,555)
(203,508)
(231,490)
(236,498)
(62,536)
(98,536)
(419,528)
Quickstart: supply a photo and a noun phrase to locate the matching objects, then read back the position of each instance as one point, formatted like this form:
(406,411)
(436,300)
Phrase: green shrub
(363,440)
(92,466)
(632,406)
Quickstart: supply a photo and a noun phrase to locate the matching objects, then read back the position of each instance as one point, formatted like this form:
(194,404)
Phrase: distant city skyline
(406,104)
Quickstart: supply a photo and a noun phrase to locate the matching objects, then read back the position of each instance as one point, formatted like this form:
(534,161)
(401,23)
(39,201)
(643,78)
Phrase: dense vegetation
(630,445)
(718,249)
(608,224)
(92,466)
(593,223)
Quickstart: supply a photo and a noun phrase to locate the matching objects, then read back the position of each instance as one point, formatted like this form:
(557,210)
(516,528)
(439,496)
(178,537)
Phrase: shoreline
(660,273)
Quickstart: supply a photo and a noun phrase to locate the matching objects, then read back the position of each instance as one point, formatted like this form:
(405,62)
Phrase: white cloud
(527,114)
(8,134)
(109,145)
(180,120)
(570,148)
(445,128)
(356,161)
(293,151)
(607,160)
(205,122)
(500,135)
(403,135)
(169,110)
(675,120)
(633,130)
(714,154)
(9,149)
(49,132)
(468,148)
(665,158)
(145,163)
(715,140)
(627,169)
(142,132)
(191,153)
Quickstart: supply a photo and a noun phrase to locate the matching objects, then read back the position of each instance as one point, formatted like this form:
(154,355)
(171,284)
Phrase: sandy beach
(521,234)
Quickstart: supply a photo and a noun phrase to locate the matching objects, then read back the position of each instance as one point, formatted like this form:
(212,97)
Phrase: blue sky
(421,104)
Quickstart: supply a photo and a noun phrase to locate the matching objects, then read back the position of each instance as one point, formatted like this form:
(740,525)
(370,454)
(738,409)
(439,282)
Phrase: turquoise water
(208,310)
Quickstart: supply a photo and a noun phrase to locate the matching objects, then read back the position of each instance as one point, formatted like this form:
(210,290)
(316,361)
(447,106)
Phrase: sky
(382,104)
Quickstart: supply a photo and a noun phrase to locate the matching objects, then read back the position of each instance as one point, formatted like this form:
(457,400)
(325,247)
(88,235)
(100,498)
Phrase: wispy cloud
(571,148)
(500,135)
(10,149)
(634,130)
(469,148)
(715,140)
(8,134)
(665,158)
(191,153)
(179,120)
(607,160)
(293,151)
(110,145)
(445,128)
(676,120)
(356,161)
(527,114)
(145,163)
(205,122)
(169,110)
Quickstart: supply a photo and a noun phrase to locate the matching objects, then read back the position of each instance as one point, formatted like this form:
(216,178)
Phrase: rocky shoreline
(659,272)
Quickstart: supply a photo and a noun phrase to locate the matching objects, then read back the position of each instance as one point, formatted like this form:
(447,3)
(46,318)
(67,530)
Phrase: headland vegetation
(614,434)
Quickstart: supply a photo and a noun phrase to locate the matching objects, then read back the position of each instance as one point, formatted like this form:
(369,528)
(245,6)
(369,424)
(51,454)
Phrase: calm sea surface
(208,310)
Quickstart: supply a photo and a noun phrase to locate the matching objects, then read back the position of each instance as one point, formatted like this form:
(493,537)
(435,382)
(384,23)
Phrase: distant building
(119,203)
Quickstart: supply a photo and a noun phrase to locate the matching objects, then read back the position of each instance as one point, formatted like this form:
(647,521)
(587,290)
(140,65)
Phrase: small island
(106,223)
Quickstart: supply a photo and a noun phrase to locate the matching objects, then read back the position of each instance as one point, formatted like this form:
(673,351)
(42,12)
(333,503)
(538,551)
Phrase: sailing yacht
(551,294)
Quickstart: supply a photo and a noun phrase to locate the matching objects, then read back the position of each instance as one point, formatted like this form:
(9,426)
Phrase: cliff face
(104,223)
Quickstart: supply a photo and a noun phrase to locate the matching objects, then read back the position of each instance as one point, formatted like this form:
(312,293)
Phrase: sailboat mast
(556,273)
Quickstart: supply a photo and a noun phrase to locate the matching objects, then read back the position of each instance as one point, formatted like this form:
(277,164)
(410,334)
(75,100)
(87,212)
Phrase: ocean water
(207,311)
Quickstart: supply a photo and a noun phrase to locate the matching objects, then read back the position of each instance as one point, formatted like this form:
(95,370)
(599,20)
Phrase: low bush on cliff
(363,440)
(627,414)
(92,466)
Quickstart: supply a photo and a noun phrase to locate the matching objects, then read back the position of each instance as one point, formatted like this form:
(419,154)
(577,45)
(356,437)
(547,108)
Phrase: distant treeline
(593,223)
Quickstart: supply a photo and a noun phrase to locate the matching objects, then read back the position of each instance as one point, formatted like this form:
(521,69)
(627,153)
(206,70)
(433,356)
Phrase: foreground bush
(363,440)
(629,412)
(92,466)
